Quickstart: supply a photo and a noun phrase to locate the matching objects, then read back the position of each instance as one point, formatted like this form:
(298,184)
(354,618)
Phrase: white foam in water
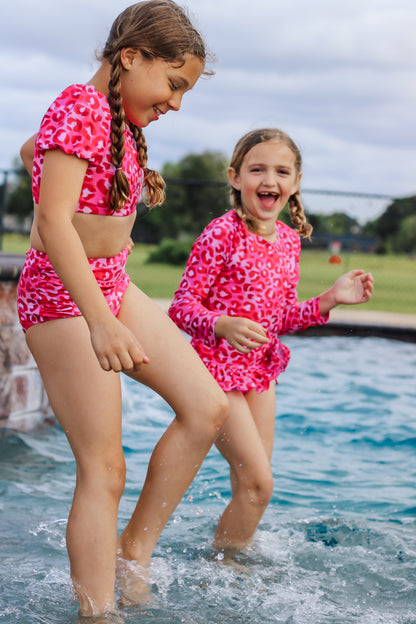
(337,544)
(53,531)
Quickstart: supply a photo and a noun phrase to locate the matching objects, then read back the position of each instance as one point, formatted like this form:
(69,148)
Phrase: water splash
(337,544)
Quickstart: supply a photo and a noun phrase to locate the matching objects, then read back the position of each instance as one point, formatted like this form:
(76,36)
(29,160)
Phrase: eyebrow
(260,164)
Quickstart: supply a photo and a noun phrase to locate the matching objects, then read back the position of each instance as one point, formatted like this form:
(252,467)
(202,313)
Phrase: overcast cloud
(338,75)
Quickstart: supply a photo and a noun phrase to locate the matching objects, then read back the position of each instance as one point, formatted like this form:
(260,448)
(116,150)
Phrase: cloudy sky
(338,75)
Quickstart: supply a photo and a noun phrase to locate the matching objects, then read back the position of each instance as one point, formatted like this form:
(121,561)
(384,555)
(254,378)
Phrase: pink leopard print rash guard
(234,272)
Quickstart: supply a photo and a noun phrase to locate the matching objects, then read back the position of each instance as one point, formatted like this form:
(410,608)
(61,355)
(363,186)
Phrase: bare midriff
(102,236)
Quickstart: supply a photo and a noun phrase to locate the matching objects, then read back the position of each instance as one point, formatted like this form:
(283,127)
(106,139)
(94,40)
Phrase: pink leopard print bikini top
(79,123)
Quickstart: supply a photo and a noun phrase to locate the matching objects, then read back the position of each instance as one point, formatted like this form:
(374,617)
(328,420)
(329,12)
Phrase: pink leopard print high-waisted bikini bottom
(41,296)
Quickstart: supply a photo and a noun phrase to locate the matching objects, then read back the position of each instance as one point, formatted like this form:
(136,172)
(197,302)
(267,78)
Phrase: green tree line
(197,191)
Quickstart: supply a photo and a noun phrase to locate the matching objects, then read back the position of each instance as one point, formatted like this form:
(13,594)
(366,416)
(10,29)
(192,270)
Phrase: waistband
(100,266)
(42,258)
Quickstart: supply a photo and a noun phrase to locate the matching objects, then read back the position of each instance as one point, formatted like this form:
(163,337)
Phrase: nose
(269,178)
(175,101)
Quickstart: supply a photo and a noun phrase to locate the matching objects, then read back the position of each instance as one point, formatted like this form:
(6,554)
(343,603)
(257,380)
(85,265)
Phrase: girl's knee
(267,489)
(215,413)
(257,489)
(116,478)
(221,411)
(104,475)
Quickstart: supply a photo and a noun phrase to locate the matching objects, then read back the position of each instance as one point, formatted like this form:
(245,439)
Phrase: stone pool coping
(23,400)
(10,267)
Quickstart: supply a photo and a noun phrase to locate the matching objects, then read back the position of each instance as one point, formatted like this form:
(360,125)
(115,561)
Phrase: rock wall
(23,400)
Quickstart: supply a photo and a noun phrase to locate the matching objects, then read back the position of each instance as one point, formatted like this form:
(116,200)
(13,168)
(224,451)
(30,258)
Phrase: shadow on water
(336,545)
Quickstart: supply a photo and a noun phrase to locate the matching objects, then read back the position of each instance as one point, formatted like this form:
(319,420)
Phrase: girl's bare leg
(87,403)
(263,410)
(246,442)
(178,375)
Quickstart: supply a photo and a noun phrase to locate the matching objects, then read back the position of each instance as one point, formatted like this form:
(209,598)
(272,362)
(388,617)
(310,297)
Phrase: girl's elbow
(41,229)
(27,163)
(27,154)
(44,226)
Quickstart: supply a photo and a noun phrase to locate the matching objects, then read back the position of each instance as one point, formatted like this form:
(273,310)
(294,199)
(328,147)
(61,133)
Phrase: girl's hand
(130,245)
(116,347)
(352,288)
(241,333)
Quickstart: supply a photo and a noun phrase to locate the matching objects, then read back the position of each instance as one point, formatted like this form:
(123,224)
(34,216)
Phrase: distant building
(347,242)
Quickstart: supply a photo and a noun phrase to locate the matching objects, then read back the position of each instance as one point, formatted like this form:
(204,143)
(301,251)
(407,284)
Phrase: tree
(196,192)
(337,224)
(389,223)
(20,201)
(391,227)
(405,239)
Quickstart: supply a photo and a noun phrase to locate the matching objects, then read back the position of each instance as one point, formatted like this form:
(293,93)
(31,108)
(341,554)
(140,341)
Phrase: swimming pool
(336,545)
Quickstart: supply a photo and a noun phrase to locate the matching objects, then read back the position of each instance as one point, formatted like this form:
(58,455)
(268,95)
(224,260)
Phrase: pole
(3,196)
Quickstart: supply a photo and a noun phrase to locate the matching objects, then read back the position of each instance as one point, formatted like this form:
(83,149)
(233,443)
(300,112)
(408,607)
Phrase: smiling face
(266,179)
(150,88)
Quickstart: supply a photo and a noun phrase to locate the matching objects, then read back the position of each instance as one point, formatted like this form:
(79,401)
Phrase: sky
(339,76)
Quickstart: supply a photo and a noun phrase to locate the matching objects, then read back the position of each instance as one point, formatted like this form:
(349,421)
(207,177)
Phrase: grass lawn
(395,276)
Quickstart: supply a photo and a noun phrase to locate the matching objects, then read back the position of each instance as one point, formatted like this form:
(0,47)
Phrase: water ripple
(337,543)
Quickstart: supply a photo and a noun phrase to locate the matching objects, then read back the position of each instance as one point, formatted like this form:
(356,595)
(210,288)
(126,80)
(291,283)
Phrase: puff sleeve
(77,123)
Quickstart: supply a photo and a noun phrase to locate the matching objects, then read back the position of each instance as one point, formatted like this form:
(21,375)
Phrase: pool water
(336,545)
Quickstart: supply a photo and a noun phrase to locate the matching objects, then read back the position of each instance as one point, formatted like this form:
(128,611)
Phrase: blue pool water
(336,545)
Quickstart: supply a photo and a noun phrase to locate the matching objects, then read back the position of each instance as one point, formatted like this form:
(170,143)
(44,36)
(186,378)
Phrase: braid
(158,29)
(120,189)
(297,216)
(251,223)
(153,181)
(244,145)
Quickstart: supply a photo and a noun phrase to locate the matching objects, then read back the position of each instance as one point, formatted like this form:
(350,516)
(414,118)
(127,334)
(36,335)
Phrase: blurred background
(337,77)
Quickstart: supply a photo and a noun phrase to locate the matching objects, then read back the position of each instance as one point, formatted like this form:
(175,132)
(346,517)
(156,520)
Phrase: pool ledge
(361,322)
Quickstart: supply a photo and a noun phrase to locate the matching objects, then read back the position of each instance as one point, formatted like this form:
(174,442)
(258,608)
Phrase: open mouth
(268,199)
(157,112)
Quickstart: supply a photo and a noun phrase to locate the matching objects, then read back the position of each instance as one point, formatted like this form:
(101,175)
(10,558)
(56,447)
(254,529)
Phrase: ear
(234,178)
(296,184)
(128,56)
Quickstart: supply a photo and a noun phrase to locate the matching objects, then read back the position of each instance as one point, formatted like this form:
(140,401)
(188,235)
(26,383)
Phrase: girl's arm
(62,178)
(26,153)
(350,289)
(188,309)
(298,316)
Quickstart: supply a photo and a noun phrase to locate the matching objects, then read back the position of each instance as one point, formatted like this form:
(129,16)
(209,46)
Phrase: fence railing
(8,174)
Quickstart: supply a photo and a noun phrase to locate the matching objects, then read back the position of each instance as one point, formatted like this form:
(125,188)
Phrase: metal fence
(316,200)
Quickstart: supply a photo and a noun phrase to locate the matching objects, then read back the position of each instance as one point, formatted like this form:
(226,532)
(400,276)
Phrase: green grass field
(394,276)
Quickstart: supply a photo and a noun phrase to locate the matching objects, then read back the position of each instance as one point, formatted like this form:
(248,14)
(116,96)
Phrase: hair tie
(119,168)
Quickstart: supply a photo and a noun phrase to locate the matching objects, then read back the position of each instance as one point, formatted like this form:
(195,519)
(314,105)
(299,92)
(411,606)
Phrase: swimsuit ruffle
(245,372)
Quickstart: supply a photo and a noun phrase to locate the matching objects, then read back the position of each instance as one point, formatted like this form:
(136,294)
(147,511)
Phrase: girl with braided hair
(85,322)
(237,296)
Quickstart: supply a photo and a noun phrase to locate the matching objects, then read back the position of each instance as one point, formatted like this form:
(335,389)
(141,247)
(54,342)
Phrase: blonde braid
(120,188)
(153,181)
(297,216)
(253,225)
